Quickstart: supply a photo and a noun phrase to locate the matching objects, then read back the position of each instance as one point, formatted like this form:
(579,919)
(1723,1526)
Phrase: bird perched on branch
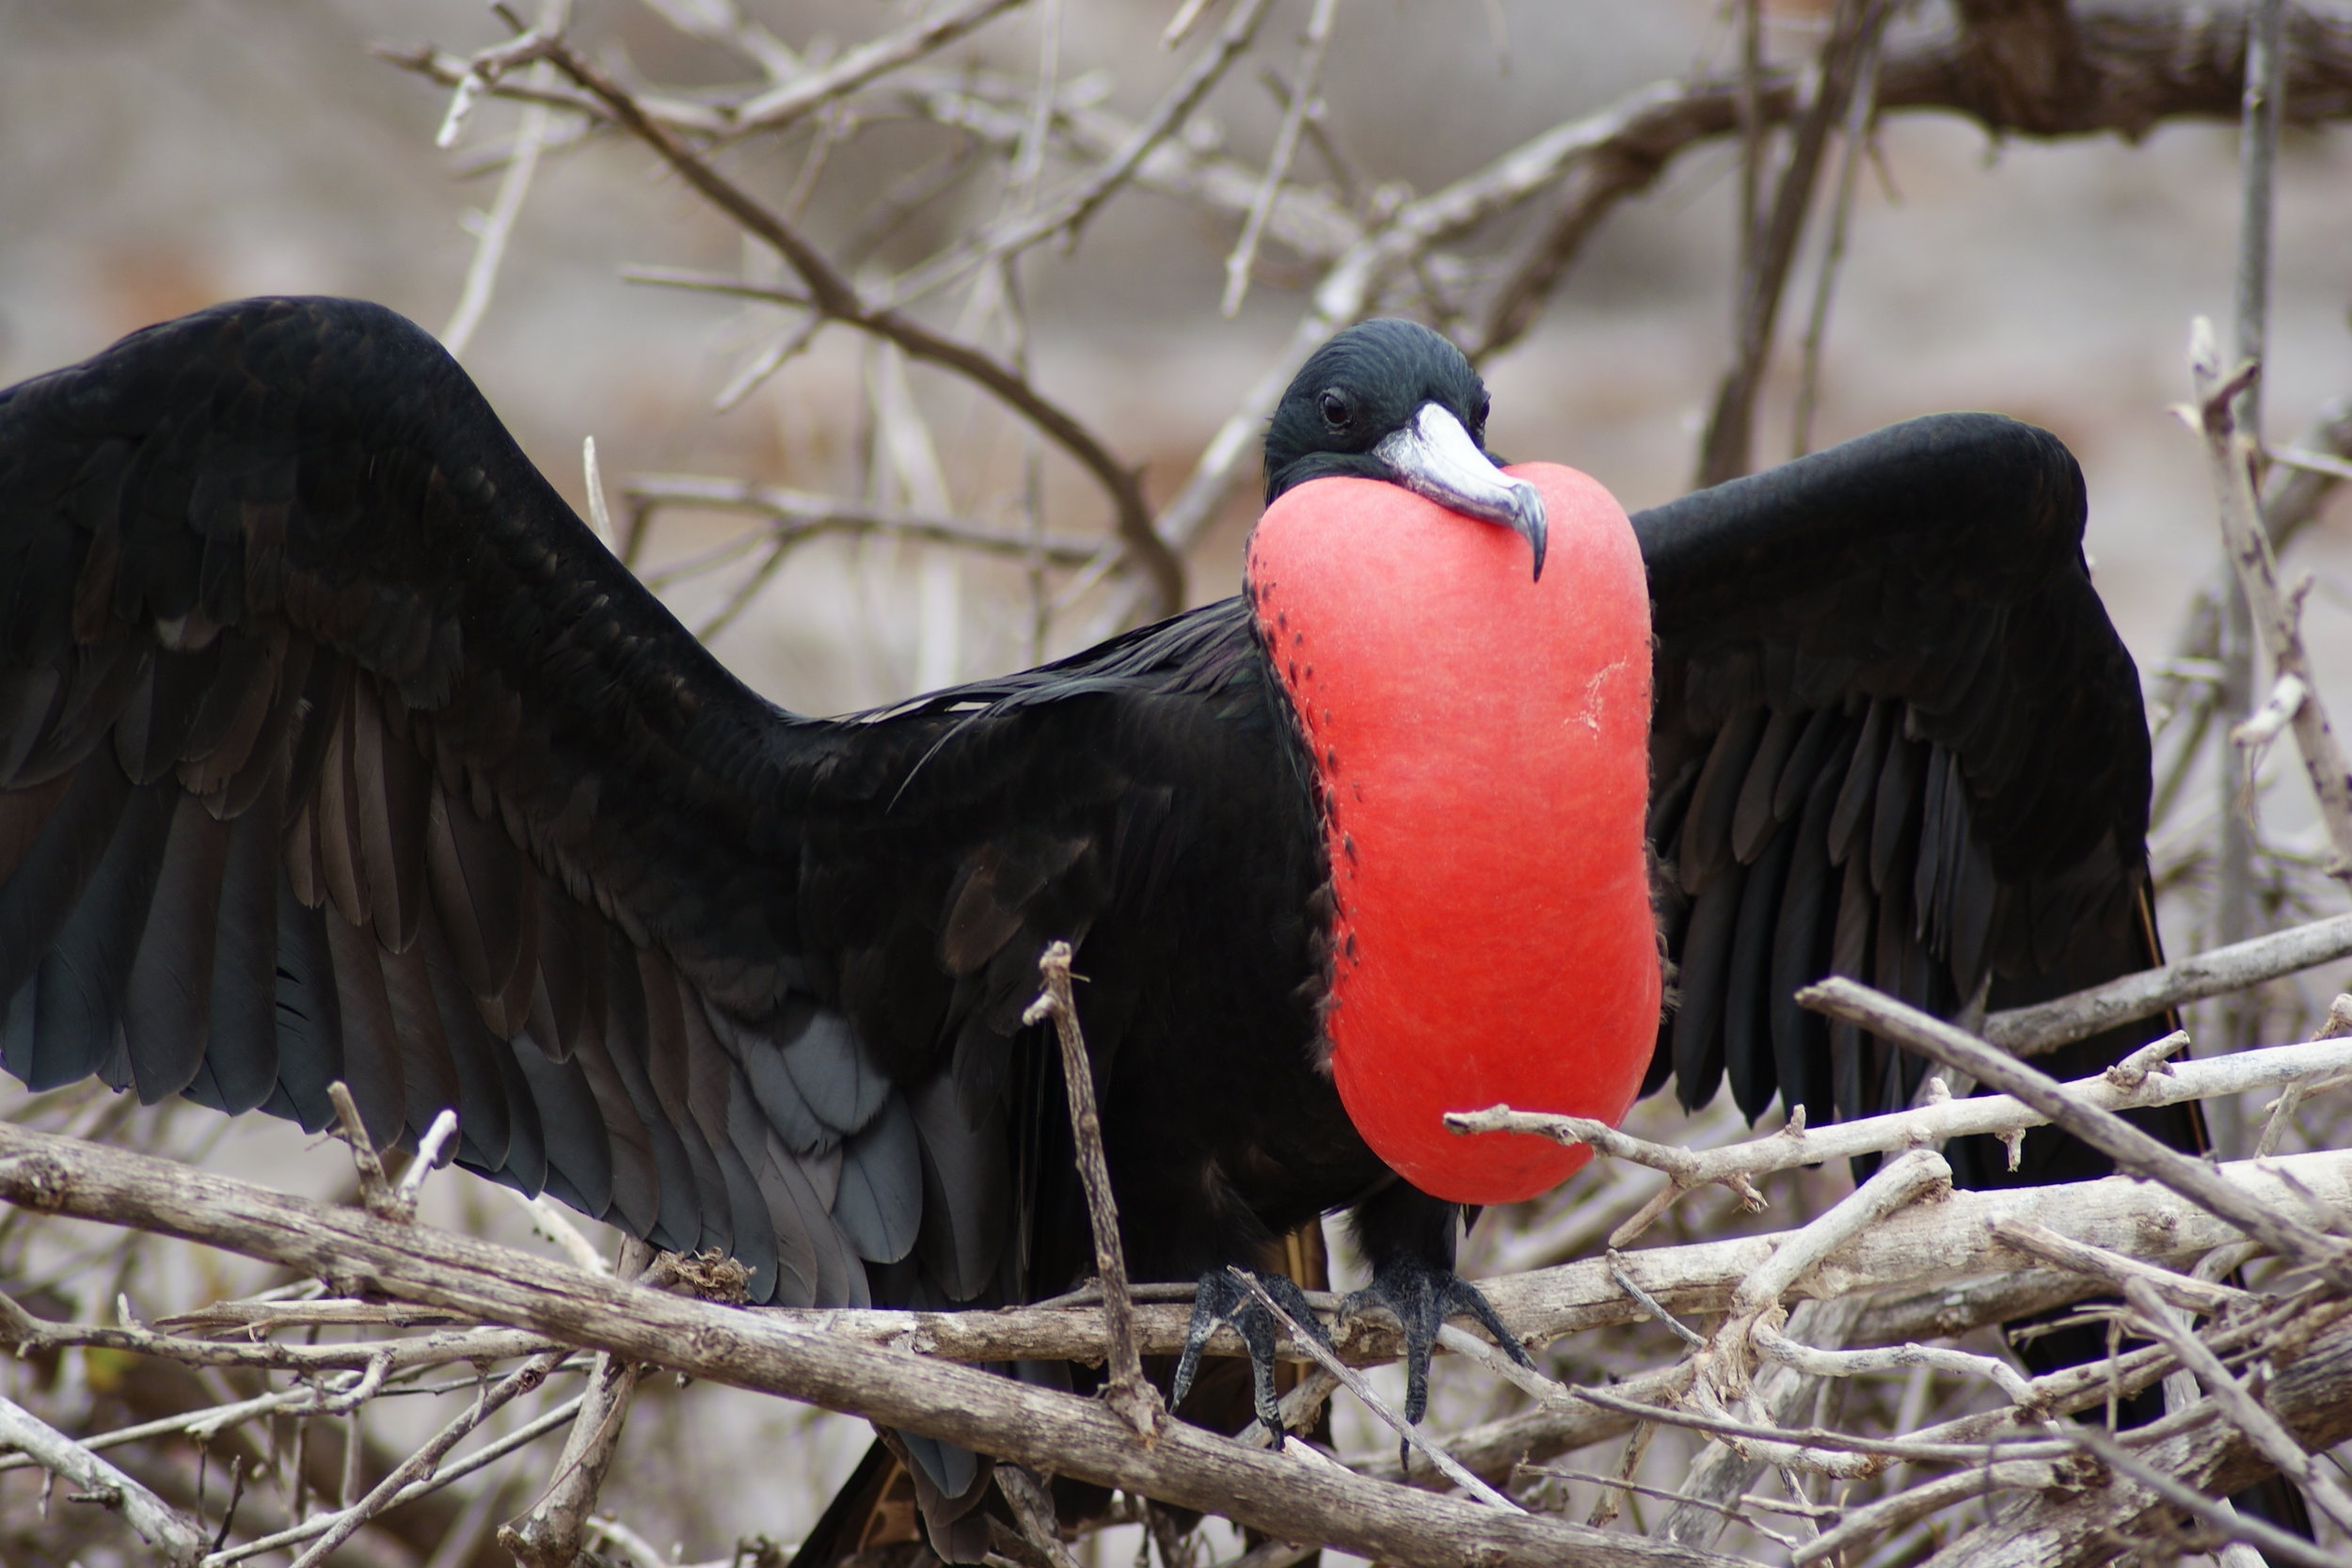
(333,746)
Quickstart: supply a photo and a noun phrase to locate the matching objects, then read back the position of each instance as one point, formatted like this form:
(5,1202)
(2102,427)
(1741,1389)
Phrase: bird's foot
(1222,1299)
(1421,1295)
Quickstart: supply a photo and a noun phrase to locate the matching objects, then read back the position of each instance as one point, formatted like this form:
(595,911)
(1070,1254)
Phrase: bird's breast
(1482,743)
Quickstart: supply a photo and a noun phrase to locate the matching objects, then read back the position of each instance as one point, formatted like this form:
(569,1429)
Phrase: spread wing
(1897,738)
(333,746)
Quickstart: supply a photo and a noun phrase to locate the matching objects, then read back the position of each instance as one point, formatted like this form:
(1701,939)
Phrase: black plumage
(333,745)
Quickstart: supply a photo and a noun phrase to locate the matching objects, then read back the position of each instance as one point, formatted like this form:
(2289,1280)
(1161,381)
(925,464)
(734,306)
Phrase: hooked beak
(1434,456)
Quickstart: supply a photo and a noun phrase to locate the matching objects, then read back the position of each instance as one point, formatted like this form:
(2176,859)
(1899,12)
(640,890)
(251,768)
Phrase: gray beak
(1434,456)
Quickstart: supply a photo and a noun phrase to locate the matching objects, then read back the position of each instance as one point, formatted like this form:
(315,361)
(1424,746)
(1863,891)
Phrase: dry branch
(2076,1528)
(2121,70)
(2047,1025)
(834,296)
(2197,1295)
(803,515)
(780,105)
(156,1522)
(1185,1465)
(1725,1366)
(1135,1399)
(552,1533)
(2277,615)
(1925,1257)
(2241,1404)
(2131,1149)
(1797,1145)
(1723,450)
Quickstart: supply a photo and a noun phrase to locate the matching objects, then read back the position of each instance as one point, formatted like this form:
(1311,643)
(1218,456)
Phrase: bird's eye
(1334,408)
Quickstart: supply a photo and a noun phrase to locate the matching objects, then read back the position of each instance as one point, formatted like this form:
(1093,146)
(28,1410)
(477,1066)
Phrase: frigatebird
(333,745)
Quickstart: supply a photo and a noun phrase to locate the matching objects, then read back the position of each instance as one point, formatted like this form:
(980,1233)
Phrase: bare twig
(421,1463)
(806,514)
(2185,685)
(838,298)
(1853,138)
(375,1188)
(1797,1143)
(2240,1405)
(1070,211)
(2230,456)
(429,1147)
(591,481)
(2197,1295)
(2311,462)
(2257,141)
(787,102)
(1777,1346)
(1816,1450)
(1033,1512)
(1892,1513)
(1135,1399)
(2212,1512)
(1723,452)
(551,1533)
(498,224)
(1316,45)
(1725,1367)
(548,1218)
(1739,1512)
(458,1469)
(156,1522)
(2045,1026)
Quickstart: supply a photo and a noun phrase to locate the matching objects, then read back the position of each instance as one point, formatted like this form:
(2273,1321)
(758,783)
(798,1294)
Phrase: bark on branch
(1184,1465)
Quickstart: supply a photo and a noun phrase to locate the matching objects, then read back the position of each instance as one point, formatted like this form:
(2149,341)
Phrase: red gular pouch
(1482,740)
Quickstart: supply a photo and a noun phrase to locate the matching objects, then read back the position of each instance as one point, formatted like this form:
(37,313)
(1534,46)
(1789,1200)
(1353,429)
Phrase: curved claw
(1220,1299)
(1423,1296)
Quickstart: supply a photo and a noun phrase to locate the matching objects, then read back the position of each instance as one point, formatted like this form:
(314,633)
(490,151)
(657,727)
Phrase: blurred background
(159,155)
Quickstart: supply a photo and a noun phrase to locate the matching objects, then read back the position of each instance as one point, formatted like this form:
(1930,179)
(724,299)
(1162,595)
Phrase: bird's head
(1392,400)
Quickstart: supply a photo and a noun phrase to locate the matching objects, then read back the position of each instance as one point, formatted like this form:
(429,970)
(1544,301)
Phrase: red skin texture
(1483,744)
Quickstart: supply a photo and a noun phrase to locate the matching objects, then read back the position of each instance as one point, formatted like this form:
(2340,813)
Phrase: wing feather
(1917,746)
(333,747)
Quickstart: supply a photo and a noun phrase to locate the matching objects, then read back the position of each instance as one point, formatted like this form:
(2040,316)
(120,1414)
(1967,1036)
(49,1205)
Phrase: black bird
(333,745)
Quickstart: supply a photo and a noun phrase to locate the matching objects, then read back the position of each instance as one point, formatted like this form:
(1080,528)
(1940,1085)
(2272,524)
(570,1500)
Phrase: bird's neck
(1481,744)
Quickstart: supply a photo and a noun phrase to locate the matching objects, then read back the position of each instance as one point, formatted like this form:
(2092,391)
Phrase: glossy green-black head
(1392,400)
